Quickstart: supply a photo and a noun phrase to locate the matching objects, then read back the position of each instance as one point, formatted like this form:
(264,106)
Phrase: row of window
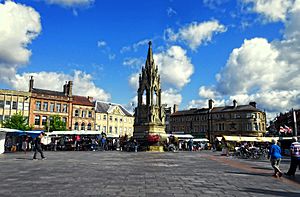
(14,105)
(221,127)
(83,114)
(82,126)
(115,119)
(52,107)
(43,120)
(115,130)
(216,116)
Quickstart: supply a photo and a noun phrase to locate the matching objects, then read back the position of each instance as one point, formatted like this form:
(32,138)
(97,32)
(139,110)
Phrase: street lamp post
(295,122)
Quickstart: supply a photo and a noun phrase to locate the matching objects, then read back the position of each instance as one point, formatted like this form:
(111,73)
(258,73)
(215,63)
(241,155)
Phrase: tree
(17,121)
(55,124)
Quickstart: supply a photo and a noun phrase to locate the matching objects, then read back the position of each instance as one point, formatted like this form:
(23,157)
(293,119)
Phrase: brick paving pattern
(140,174)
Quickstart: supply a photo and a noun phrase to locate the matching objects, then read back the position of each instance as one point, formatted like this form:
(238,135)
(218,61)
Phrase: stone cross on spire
(149,61)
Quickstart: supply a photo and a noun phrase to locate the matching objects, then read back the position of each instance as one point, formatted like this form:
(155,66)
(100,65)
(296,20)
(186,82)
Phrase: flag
(281,129)
(287,129)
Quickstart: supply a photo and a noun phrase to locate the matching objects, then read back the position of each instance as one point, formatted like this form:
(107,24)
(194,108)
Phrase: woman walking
(275,158)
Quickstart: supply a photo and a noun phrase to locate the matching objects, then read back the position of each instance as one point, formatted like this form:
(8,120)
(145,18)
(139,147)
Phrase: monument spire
(149,60)
(149,114)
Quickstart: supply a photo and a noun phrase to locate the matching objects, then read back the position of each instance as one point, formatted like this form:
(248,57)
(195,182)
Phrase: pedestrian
(103,143)
(295,157)
(38,146)
(190,144)
(135,145)
(77,140)
(275,158)
(25,144)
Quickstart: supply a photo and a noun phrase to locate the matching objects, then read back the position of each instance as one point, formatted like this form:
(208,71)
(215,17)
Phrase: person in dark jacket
(295,157)
(38,146)
(275,158)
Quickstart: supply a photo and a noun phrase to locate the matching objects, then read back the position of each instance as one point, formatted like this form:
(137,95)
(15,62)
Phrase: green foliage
(56,124)
(17,121)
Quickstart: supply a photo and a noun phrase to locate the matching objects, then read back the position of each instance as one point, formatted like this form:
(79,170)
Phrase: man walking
(295,157)
(275,154)
(38,147)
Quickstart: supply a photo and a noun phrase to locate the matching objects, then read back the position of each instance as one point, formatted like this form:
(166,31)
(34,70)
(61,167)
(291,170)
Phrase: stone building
(46,103)
(12,102)
(113,119)
(241,120)
(83,113)
(149,113)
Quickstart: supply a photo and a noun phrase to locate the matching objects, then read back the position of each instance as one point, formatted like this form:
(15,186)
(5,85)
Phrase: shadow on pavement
(248,173)
(295,179)
(262,168)
(20,158)
(271,192)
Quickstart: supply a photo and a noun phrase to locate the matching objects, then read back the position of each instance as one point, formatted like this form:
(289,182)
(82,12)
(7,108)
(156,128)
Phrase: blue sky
(220,49)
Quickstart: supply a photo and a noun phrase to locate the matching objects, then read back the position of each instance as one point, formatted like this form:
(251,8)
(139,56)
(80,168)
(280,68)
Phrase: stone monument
(149,123)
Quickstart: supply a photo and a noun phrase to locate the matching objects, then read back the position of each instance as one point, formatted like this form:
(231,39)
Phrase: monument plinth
(149,113)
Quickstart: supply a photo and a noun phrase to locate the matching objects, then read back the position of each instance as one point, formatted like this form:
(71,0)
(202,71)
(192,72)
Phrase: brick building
(83,113)
(46,103)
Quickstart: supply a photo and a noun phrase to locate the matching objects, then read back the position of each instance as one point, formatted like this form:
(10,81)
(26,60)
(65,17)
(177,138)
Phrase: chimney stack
(65,88)
(69,88)
(90,98)
(210,104)
(234,103)
(31,83)
(253,104)
(175,108)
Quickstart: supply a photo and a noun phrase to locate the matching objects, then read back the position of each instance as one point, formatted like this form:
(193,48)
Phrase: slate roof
(194,111)
(237,108)
(105,107)
(47,92)
(82,100)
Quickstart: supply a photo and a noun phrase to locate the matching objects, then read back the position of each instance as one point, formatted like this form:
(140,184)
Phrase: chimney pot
(234,103)
(210,104)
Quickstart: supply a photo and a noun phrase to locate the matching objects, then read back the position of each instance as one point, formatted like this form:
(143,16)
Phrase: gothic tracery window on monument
(155,96)
(144,97)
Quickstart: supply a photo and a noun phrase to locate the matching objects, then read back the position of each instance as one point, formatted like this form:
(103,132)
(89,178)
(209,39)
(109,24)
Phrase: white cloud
(171,97)
(71,3)
(272,10)
(203,103)
(19,26)
(171,12)
(214,4)
(101,43)
(195,33)
(125,49)
(134,80)
(259,71)
(135,47)
(208,93)
(112,56)
(140,43)
(82,83)
(263,71)
(135,63)
(254,65)
(174,66)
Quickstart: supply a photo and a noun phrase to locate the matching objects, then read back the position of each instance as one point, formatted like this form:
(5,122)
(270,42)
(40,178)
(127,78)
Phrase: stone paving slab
(138,174)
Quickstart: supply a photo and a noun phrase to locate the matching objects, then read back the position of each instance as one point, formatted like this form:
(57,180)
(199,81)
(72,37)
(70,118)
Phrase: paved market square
(114,173)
